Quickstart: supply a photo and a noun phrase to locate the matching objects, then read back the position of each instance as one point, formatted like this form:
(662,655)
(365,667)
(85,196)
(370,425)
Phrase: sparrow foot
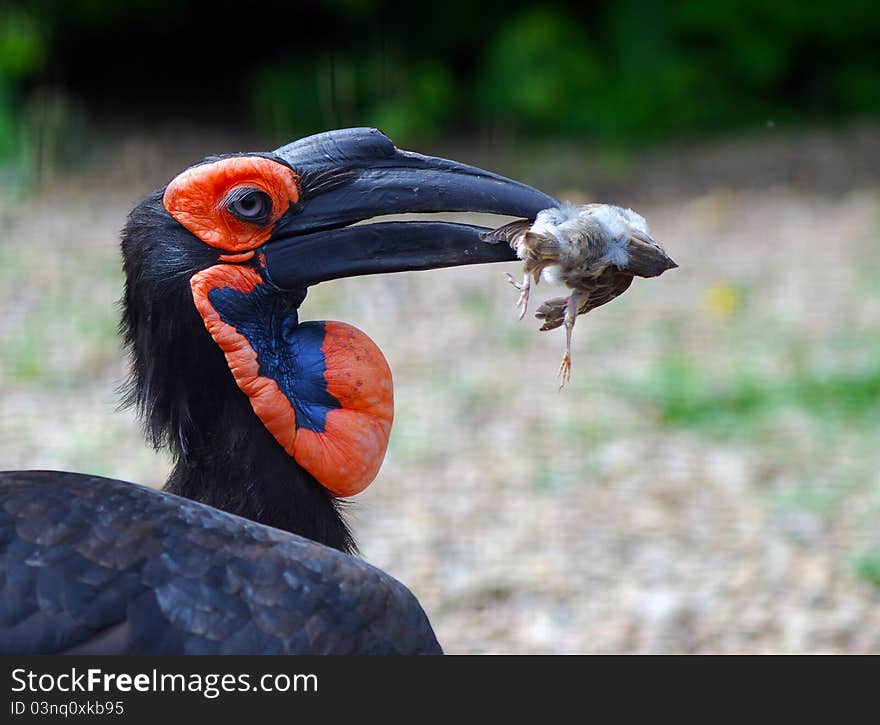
(525,288)
(564,370)
(572,306)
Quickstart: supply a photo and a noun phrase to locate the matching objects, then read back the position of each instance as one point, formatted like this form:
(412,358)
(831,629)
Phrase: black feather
(96,566)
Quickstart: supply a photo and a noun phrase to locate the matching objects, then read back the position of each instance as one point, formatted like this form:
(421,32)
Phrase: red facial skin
(347,455)
(196,199)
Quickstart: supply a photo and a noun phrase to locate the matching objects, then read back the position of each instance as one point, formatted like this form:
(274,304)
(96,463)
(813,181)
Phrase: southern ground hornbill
(270,421)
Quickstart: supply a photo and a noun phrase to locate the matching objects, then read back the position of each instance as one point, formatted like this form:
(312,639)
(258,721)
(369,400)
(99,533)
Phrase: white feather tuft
(617,253)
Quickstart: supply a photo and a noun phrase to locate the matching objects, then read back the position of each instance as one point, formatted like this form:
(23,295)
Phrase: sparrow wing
(509,233)
(611,284)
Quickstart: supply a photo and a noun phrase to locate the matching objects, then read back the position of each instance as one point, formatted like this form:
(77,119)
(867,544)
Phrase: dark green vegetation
(685,395)
(622,72)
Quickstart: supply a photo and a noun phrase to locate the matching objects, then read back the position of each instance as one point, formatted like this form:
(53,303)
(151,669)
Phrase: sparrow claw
(524,288)
(564,371)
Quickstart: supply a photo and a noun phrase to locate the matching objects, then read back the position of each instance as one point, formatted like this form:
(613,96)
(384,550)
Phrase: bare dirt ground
(710,480)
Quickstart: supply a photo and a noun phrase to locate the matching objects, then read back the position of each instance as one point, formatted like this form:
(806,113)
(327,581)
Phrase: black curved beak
(351,175)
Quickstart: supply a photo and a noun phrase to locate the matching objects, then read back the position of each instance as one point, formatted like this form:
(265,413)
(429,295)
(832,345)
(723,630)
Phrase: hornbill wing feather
(90,564)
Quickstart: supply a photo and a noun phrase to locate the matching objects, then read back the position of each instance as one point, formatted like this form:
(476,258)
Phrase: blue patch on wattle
(288,353)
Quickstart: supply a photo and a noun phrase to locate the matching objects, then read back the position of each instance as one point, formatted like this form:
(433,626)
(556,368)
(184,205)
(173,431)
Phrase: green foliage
(625,71)
(283,97)
(409,100)
(684,395)
(22,45)
(867,566)
(540,71)
(9,128)
(647,70)
(22,53)
(423,102)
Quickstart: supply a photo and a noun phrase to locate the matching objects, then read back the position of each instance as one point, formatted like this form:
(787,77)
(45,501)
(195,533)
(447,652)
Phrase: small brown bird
(595,250)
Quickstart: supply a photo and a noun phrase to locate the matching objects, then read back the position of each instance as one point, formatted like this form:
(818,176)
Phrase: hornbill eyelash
(314,183)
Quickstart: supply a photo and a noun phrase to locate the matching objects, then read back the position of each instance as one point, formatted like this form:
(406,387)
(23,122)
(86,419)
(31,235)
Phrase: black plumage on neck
(188,401)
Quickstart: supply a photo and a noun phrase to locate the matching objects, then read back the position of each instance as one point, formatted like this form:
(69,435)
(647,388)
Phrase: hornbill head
(217,264)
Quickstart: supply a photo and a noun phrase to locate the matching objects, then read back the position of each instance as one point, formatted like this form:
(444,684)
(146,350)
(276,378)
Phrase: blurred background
(710,479)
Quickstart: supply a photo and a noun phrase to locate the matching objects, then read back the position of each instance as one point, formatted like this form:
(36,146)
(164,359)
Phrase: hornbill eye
(250,205)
